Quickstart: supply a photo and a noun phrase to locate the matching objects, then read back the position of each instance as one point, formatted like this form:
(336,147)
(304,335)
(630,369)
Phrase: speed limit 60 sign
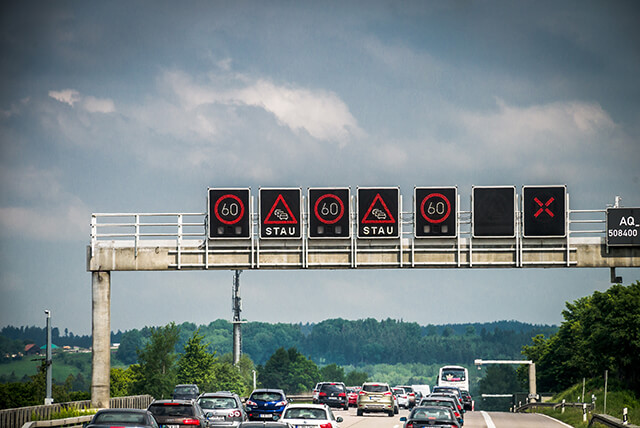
(435,212)
(329,213)
(229,213)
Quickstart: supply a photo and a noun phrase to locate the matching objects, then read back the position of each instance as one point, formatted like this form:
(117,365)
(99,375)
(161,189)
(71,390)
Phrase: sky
(139,107)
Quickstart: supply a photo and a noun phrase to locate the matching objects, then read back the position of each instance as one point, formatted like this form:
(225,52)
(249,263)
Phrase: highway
(472,420)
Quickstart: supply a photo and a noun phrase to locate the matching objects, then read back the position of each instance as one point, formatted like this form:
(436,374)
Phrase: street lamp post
(49,361)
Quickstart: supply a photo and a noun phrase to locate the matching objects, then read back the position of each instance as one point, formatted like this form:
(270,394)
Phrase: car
(401,396)
(410,393)
(266,404)
(467,400)
(333,394)
(108,418)
(222,408)
(315,392)
(447,401)
(448,390)
(452,395)
(375,397)
(178,413)
(310,415)
(185,392)
(431,417)
(422,390)
(352,397)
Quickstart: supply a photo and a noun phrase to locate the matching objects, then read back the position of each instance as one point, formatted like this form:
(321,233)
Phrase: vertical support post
(100,329)
(606,378)
(563,402)
(49,361)
(237,321)
(625,417)
(533,389)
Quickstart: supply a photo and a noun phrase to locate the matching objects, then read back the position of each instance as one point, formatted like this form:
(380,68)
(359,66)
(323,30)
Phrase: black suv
(178,413)
(185,392)
(333,394)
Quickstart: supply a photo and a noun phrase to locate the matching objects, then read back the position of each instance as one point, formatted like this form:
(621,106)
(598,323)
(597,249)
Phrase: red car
(352,397)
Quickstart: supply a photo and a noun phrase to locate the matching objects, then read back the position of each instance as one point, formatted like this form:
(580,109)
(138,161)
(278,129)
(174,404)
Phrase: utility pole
(237,320)
(49,360)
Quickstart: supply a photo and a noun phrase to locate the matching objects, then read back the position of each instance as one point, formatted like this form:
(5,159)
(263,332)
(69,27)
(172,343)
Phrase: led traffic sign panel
(544,211)
(329,213)
(378,213)
(280,213)
(229,214)
(435,212)
(623,227)
(493,211)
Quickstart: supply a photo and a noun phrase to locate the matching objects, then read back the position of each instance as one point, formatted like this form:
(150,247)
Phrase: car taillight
(281,403)
(251,403)
(234,414)
(409,425)
(325,425)
(387,393)
(190,421)
(323,394)
(362,393)
(342,394)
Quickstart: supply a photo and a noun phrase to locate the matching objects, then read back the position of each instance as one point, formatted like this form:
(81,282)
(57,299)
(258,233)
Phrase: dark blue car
(264,404)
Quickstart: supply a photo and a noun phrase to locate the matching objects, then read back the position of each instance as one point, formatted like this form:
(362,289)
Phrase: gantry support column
(101,331)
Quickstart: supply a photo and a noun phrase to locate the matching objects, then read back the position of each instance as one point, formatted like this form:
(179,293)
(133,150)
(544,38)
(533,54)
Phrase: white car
(401,396)
(309,416)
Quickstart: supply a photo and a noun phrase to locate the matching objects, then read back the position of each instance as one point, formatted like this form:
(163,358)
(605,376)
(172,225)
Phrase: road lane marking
(487,419)
(555,420)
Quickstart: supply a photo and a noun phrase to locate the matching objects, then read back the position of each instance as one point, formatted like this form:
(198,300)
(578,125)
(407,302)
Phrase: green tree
(155,373)
(356,378)
(121,382)
(600,332)
(289,370)
(196,364)
(130,343)
(332,373)
(228,378)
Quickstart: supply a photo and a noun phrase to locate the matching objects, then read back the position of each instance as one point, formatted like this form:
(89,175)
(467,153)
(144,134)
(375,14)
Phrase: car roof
(122,411)
(172,400)
(268,390)
(307,406)
(218,394)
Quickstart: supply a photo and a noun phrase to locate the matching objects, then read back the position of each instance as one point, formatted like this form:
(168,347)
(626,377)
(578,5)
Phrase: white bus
(457,376)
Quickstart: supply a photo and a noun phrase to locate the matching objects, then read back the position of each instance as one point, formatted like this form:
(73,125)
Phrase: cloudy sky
(140,106)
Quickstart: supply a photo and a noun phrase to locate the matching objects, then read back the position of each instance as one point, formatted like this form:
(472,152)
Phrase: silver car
(222,409)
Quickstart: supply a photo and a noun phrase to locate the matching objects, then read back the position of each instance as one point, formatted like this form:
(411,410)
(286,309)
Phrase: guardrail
(17,418)
(610,421)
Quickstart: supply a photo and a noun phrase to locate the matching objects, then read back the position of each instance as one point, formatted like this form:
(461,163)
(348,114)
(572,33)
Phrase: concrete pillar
(101,331)
(533,389)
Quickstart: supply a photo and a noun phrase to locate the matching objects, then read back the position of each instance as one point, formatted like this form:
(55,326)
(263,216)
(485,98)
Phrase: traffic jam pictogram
(378,212)
(228,213)
(329,213)
(544,211)
(280,213)
(435,212)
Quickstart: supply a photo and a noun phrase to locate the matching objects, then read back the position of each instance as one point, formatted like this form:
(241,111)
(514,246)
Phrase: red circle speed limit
(229,209)
(435,208)
(329,208)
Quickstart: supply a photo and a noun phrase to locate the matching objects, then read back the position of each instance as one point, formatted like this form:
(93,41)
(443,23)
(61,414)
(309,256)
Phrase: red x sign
(543,207)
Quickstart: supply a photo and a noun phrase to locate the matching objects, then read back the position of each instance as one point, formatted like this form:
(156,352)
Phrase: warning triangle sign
(378,212)
(280,213)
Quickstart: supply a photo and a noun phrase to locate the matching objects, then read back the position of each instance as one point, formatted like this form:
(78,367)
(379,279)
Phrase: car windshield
(266,396)
(447,403)
(398,391)
(217,403)
(375,388)
(171,409)
(185,390)
(305,413)
(453,375)
(327,387)
(110,418)
(437,414)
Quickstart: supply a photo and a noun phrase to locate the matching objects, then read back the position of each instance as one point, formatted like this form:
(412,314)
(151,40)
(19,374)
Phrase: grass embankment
(616,401)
